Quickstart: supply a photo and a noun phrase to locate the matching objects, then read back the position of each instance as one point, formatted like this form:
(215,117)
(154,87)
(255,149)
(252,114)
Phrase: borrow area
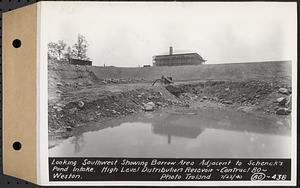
(90,98)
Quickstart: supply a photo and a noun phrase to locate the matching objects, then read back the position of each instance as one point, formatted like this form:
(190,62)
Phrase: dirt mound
(252,95)
(65,77)
(108,105)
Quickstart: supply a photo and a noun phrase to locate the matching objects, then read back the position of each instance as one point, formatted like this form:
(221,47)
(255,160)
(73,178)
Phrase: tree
(62,52)
(52,50)
(68,53)
(61,49)
(79,50)
(57,50)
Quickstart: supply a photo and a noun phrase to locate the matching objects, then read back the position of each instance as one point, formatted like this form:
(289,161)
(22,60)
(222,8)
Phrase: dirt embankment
(262,96)
(230,71)
(77,96)
(109,104)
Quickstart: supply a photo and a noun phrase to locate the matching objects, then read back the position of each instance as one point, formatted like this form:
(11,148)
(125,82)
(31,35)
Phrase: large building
(178,59)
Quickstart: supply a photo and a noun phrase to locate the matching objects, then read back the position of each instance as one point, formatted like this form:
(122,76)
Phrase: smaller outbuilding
(80,62)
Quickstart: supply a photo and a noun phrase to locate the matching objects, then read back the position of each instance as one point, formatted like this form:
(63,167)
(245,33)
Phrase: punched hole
(16,43)
(17,146)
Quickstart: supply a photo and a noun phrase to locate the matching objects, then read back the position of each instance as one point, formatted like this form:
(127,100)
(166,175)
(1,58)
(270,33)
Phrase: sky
(128,34)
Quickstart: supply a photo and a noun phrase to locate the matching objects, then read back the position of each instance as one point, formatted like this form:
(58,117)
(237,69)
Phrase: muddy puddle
(211,133)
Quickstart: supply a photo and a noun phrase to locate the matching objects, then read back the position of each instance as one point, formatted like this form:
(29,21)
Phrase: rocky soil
(252,96)
(263,96)
(111,104)
(78,97)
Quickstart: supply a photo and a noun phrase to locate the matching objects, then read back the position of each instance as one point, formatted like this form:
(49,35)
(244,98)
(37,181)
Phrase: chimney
(171,50)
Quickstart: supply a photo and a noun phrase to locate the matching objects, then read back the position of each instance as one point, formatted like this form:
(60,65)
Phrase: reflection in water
(176,130)
(167,127)
(78,142)
(201,134)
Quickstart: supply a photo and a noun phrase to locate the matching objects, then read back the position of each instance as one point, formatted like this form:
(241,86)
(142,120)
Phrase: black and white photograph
(171,80)
(120,93)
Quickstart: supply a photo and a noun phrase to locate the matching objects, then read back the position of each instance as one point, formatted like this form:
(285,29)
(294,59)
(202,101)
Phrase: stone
(80,104)
(90,83)
(72,110)
(227,89)
(60,105)
(158,103)
(283,111)
(149,106)
(150,97)
(227,102)
(204,97)
(57,108)
(283,91)
(114,81)
(174,90)
(288,102)
(281,101)
(139,96)
(69,128)
(59,84)
(58,91)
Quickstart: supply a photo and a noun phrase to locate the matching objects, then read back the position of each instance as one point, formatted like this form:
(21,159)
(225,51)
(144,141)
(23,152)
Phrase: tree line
(61,51)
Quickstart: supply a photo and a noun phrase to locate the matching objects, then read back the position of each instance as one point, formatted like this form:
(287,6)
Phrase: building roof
(178,55)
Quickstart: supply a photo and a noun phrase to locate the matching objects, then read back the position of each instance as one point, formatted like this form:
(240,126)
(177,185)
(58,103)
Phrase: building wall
(80,62)
(177,60)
